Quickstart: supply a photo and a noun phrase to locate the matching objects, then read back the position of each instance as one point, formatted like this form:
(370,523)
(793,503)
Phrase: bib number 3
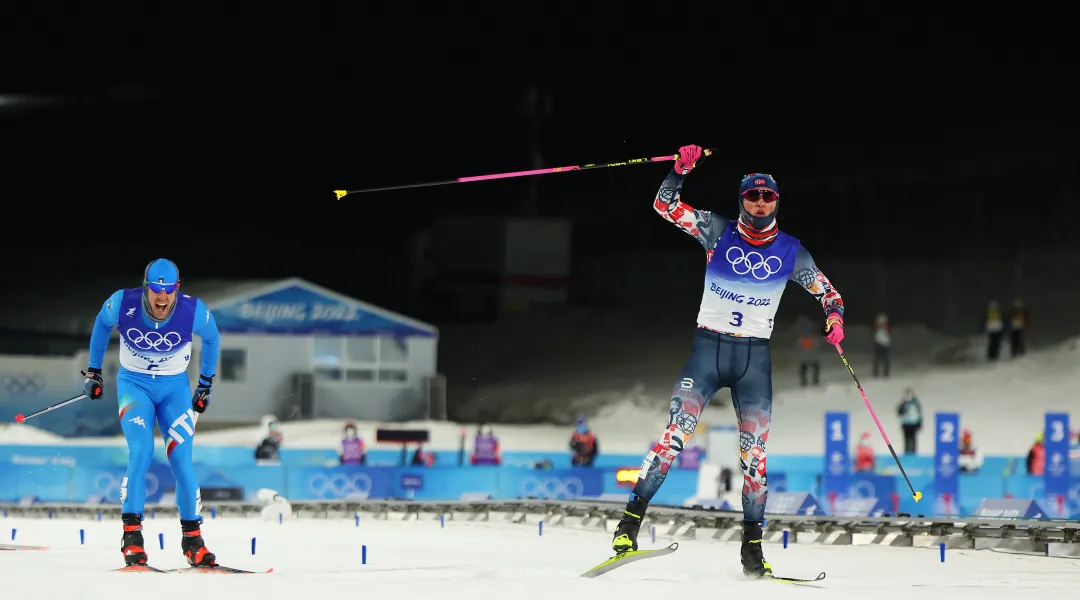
(736,319)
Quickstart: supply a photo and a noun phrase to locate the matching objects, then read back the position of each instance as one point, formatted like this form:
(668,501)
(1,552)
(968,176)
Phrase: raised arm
(706,227)
(809,276)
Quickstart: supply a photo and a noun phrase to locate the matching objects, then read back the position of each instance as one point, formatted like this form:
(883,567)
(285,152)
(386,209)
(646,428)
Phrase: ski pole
(916,495)
(633,161)
(19,418)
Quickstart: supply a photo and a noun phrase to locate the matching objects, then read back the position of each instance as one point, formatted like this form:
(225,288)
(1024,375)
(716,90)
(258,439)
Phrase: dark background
(215,139)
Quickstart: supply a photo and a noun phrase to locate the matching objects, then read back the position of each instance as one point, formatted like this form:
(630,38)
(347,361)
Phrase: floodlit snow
(1003,404)
(419,559)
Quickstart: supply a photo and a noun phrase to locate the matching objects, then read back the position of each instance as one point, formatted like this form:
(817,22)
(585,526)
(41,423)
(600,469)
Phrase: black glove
(201,399)
(93,385)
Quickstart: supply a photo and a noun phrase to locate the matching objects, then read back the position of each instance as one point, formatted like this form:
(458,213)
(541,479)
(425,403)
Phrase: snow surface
(1003,404)
(420,559)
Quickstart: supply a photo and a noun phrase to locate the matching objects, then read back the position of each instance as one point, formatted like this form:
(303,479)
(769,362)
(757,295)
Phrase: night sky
(216,140)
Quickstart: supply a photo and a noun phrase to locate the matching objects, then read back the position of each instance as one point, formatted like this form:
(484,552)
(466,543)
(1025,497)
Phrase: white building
(293,348)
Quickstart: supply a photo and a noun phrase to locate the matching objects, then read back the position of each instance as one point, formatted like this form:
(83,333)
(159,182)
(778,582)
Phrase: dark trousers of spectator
(809,367)
(909,438)
(993,347)
(1016,342)
(881,360)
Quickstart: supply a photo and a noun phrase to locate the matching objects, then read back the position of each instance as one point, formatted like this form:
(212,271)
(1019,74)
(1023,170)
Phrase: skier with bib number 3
(156,322)
(748,264)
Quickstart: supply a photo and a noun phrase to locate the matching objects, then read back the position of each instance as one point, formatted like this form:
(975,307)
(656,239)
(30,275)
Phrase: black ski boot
(193,546)
(753,558)
(626,533)
(131,545)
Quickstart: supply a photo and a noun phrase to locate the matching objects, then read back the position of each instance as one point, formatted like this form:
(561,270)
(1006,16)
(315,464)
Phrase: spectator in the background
(691,456)
(421,458)
(882,343)
(269,448)
(864,454)
(485,447)
(583,445)
(1036,458)
(1018,325)
(807,351)
(971,459)
(994,326)
(353,451)
(910,412)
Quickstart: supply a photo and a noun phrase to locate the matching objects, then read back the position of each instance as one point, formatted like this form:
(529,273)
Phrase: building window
(329,350)
(233,364)
(393,350)
(361,350)
(360,375)
(382,359)
(393,375)
(327,373)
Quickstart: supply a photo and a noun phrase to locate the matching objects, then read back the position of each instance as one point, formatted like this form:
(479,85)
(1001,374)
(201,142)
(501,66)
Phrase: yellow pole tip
(340,194)
(918,496)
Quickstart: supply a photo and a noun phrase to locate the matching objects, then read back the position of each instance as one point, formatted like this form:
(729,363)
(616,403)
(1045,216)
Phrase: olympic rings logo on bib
(153,340)
(753,263)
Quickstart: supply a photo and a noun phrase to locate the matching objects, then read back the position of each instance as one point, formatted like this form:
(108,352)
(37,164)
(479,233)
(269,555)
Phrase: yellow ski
(628,557)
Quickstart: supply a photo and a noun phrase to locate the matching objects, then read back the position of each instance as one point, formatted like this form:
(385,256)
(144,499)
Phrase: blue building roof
(298,307)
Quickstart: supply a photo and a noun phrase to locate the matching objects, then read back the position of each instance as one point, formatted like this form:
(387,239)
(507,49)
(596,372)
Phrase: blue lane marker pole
(13,534)
(653,534)
(942,551)
(161,540)
(253,546)
(541,530)
(442,521)
(357,520)
(82,537)
(785,539)
(363,555)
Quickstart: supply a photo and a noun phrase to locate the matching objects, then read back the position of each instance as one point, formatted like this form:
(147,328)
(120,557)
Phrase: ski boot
(193,546)
(131,545)
(753,559)
(627,530)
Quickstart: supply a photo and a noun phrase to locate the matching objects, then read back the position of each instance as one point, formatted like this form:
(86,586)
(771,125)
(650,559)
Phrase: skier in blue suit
(156,323)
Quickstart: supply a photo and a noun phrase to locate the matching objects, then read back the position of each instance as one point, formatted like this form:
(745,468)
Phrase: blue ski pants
(742,364)
(165,400)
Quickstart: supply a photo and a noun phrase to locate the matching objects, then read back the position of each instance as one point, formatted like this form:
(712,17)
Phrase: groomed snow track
(1058,538)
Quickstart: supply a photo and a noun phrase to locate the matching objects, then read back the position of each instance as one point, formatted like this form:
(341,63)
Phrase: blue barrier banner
(793,503)
(778,481)
(557,484)
(881,487)
(1009,508)
(49,483)
(860,507)
(412,481)
(946,468)
(104,482)
(330,483)
(837,455)
(1056,475)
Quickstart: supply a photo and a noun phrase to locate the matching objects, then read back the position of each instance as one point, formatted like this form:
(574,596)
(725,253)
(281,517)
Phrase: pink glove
(834,328)
(688,156)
